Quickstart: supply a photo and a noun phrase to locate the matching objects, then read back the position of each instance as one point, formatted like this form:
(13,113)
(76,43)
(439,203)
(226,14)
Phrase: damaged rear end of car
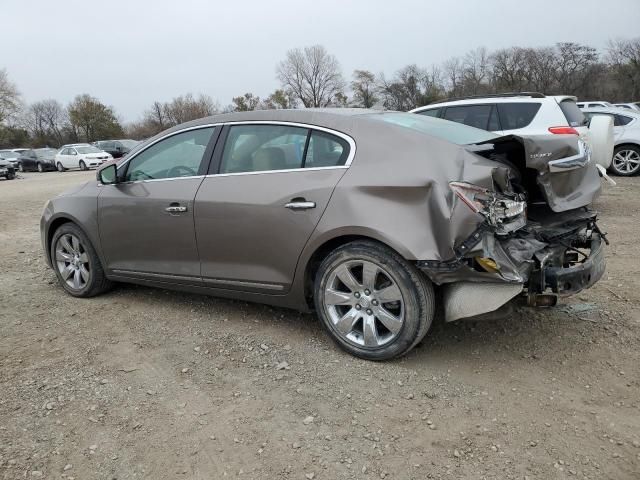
(535,234)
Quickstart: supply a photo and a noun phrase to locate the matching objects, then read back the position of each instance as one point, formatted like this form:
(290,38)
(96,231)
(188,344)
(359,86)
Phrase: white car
(80,155)
(529,114)
(635,106)
(593,104)
(626,139)
(11,155)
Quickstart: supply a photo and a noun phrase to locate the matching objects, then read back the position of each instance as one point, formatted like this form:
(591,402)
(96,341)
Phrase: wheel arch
(55,224)
(626,143)
(325,247)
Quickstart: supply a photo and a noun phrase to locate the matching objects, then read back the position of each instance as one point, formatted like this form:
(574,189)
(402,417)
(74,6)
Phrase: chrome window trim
(347,138)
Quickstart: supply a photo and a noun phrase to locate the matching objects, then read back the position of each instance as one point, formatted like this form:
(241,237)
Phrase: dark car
(117,148)
(359,214)
(6,169)
(38,159)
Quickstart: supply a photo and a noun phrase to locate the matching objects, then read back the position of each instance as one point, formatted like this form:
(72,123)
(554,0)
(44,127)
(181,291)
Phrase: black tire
(40,168)
(83,166)
(417,295)
(11,176)
(20,168)
(60,167)
(622,168)
(98,282)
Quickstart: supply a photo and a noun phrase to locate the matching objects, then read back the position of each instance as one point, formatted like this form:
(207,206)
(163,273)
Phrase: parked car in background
(10,156)
(355,213)
(593,104)
(626,139)
(7,170)
(528,114)
(80,155)
(116,148)
(38,159)
(629,106)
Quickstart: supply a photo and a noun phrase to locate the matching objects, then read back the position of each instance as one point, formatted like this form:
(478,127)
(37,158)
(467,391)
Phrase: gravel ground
(145,383)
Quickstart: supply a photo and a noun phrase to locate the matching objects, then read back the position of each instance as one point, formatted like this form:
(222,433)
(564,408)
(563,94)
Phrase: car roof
(496,99)
(613,111)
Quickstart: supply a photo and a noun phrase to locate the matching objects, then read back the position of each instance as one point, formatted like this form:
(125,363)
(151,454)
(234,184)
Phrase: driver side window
(179,155)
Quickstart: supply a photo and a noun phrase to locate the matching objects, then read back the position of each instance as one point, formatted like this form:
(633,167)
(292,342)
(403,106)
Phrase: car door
(146,220)
(69,159)
(28,160)
(270,186)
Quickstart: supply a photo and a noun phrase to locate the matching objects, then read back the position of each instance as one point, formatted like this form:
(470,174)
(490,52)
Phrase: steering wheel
(178,170)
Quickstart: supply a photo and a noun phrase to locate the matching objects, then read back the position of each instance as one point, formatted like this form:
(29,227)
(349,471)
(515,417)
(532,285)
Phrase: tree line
(312,77)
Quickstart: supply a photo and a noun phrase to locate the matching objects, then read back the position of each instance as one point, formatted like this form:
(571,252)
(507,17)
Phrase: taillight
(563,131)
(504,213)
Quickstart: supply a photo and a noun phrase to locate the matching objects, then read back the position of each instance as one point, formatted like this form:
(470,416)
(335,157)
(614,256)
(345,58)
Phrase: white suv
(529,114)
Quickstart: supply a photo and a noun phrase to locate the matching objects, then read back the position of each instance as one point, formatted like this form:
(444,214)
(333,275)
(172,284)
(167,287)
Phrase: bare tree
(575,66)
(510,69)
(185,107)
(624,58)
(312,74)
(410,87)
(476,71)
(542,64)
(453,73)
(9,97)
(46,121)
(364,88)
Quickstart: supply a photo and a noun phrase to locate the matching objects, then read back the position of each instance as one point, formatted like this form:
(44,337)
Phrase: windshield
(88,150)
(129,143)
(450,131)
(47,153)
(9,154)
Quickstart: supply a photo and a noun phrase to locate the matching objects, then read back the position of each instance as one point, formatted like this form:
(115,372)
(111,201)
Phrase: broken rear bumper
(571,280)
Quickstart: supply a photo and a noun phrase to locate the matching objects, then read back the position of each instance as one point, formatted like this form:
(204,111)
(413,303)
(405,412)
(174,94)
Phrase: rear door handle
(175,209)
(300,205)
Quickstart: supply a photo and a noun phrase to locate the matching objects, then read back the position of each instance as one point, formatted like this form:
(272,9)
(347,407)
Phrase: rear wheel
(11,176)
(626,160)
(83,166)
(76,263)
(372,302)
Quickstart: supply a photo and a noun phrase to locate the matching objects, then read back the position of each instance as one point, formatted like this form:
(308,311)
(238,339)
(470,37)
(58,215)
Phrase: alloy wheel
(626,161)
(60,167)
(364,303)
(72,261)
(20,167)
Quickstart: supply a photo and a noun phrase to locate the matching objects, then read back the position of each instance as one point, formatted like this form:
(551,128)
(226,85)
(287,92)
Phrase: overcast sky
(132,52)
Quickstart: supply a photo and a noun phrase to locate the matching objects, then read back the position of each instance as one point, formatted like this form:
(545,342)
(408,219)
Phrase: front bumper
(570,280)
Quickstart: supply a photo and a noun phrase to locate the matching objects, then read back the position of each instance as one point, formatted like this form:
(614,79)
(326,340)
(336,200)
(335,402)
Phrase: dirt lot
(144,383)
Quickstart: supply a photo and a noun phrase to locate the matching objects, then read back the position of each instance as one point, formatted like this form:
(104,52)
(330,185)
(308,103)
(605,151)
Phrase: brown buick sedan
(360,215)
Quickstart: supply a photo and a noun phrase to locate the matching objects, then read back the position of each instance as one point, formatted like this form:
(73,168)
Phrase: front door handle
(175,209)
(300,205)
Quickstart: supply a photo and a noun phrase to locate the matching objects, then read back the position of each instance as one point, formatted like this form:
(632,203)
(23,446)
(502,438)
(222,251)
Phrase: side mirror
(108,175)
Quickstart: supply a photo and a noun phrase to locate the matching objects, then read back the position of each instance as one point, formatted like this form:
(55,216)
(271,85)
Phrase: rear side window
(622,120)
(326,150)
(517,115)
(432,112)
(572,113)
(477,116)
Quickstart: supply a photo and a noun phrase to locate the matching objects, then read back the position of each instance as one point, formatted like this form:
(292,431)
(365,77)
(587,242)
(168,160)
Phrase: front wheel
(83,166)
(60,167)
(626,161)
(20,168)
(372,302)
(76,263)
(40,168)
